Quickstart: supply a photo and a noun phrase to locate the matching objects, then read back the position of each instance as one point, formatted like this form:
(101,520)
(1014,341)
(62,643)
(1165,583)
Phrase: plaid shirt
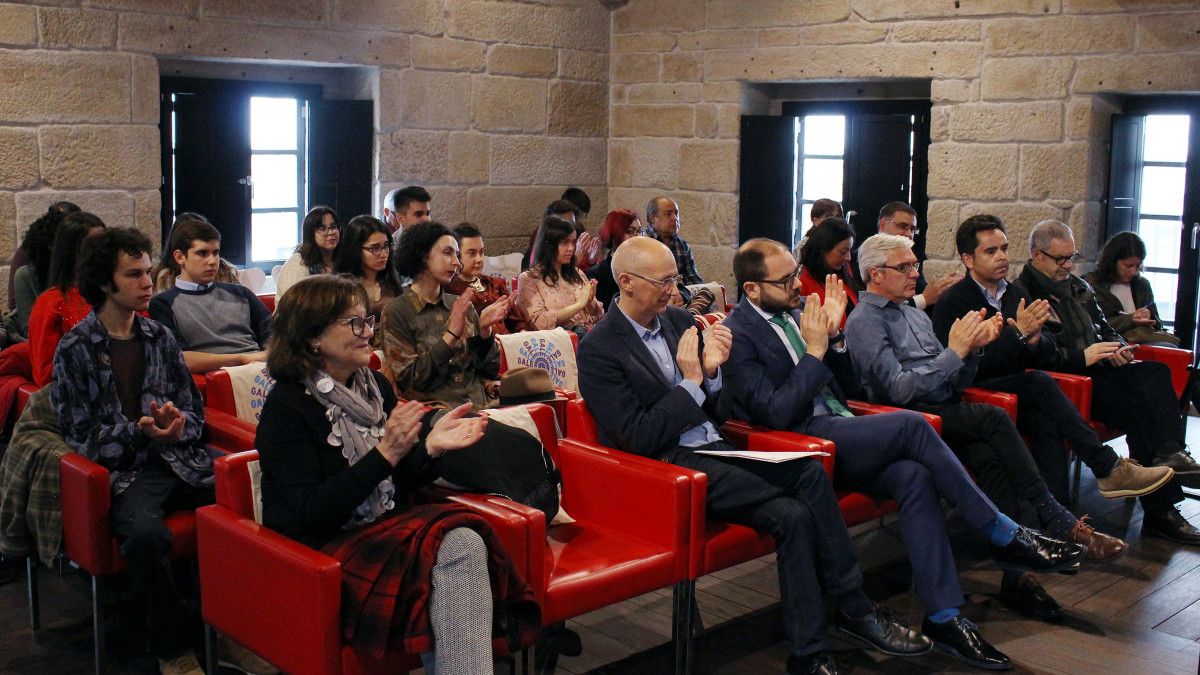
(84,396)
(684,262)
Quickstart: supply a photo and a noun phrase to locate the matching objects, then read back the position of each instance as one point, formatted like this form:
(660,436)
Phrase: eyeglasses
(668,282)
(328,229)
(905,269)
(377,249)
(359,324)
(787,281)
(1062,260)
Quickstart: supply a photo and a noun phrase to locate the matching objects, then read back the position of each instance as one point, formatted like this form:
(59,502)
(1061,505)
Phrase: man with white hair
(1133,396)
(899,361)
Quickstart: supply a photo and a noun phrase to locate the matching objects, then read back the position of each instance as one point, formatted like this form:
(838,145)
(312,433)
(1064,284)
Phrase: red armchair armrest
(1078,389)
(749,436)
(227,433)
(86,499)
(864,408)
(257,582)
(1005,401)
(1178,360)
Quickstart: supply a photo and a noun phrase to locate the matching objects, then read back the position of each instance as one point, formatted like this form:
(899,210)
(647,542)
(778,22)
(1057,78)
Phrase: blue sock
(944,616)
(1002,530)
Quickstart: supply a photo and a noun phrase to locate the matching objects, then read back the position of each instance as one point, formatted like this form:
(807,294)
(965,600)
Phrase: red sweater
(809,285)
(54,313)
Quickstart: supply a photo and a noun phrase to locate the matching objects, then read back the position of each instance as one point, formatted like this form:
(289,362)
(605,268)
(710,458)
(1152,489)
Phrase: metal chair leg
(31,590)
(683,600)
(210,651)
(97,626)
(1076,477)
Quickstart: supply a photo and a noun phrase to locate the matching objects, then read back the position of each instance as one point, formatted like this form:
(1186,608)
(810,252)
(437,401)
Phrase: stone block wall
(1021,98)
(495,105)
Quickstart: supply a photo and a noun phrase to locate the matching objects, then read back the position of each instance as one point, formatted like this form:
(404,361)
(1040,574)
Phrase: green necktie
(798,345)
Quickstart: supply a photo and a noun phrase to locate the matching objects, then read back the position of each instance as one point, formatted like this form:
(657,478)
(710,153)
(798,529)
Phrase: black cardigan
(309,490)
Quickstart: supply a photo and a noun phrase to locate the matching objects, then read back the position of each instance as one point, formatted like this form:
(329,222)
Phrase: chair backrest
(503,266)
(545,349)
(233,481)
(580,423)
(239,390)
(268,299)
(253,278)
(275,272)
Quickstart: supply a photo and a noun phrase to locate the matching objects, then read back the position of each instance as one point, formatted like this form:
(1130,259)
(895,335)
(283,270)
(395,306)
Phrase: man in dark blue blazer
(787,369)
(655,387)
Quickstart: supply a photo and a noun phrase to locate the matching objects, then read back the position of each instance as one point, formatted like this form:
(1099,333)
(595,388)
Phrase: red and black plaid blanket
(386,583)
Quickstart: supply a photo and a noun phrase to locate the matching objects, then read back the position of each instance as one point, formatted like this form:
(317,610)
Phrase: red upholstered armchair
(86,500)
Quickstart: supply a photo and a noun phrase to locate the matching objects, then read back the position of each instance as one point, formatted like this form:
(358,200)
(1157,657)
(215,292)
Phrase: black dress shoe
(1071,570)
(1170,524)
(821,663)
(1032,550)
(960,638)
(883,631)
(1187,470)
(1024,595)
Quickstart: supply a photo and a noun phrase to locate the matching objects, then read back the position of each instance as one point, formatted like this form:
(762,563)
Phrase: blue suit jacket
(767,388)
(636,408)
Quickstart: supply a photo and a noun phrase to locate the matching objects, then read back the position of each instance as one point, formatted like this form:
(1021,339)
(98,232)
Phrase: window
(1163,173)
(820,147)
(278,132)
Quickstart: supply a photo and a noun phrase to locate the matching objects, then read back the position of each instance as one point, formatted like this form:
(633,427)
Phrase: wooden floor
(1139,614)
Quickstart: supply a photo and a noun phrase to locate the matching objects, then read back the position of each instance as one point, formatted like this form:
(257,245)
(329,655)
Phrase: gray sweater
(221,319)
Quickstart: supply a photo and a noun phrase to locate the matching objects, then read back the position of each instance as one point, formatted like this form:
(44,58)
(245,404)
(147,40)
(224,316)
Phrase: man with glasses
(655,387)
(662,224)
(1135,397)
(899,361)
(1009,364)
(789,369)
(900,219)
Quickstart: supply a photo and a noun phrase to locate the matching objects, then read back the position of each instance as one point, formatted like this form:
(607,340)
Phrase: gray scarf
(356,419)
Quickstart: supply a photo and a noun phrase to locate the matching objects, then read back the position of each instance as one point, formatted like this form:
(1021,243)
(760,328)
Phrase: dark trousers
(988,443)
(899,456)
(794,503)
(1139,400)
(1048,418)
(138,522)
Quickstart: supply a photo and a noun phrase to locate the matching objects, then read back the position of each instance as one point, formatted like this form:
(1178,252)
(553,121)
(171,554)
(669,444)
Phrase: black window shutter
(1124,185)
(342,136)
(766,178)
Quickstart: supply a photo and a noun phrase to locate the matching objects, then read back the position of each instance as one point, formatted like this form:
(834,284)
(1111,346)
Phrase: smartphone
(1127,349)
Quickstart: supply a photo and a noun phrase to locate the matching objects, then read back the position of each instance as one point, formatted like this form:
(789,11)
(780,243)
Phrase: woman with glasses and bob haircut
(342,462)
(553,292)
(436,346)
(366,254)
(827,251)
(320,235)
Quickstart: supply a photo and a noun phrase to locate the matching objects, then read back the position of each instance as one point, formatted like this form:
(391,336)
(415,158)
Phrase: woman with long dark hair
(366,254)
(60,307)
(32,279)
(553,292)
(1125,295)
(827,251)
(342,464)
(320,235)
(436,346)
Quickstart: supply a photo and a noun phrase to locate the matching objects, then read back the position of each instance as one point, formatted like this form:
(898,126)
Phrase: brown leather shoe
(1100,547)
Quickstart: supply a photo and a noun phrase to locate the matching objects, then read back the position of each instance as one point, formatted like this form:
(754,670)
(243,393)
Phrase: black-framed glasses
(377,249)
(360,324)
(669,282)
(786,281)
(1062,260)
(905,269)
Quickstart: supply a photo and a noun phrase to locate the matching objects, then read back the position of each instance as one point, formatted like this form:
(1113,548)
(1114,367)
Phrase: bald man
(655,387)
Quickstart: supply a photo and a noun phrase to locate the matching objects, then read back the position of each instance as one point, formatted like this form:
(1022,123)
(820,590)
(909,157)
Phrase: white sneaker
(232,655)
(184,664)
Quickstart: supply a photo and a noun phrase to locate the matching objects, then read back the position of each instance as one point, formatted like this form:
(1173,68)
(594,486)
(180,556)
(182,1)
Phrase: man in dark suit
(787,370)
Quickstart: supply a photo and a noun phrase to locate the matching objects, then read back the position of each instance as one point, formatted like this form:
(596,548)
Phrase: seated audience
(554,292)
(32,279)
(22,256)
(168,268)
(366,255)
(124,399)
(342,462)
(788,370)
(217,324)
(653,393)
(564,210)
(899,361)
(826,252)
(1133,396)
(1044,414)
(618,226)
(485,288)
(662,218)
(60,307)
(821,209)
(588,249)
(900,219)
(437,347)
(319,237)
(1124,295)
(407,206)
